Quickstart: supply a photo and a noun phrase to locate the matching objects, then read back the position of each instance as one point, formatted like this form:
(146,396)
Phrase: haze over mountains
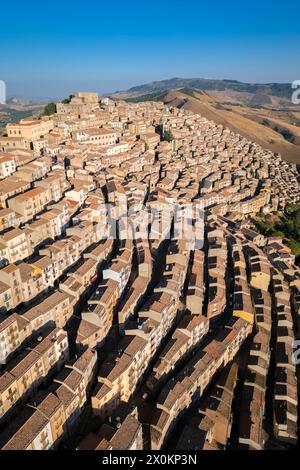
(261,112)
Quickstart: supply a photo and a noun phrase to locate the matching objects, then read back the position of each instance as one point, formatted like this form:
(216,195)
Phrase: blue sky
(108,46)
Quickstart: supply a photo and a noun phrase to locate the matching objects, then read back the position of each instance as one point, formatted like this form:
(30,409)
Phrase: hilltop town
(140,309)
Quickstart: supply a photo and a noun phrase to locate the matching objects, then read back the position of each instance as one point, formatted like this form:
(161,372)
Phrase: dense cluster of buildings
(134,292)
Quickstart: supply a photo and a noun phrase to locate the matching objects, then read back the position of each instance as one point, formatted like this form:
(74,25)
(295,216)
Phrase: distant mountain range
(260,94)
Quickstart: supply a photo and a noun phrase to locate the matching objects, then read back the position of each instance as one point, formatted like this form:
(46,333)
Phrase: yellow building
(30,129)
(30,203)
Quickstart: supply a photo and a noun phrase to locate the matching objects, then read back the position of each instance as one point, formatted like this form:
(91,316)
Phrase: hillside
(252,94)
(276,130)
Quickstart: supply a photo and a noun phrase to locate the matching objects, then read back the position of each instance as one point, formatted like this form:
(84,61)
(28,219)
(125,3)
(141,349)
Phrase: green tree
(67,100)
(49,109)
(291,208)
(168,136)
